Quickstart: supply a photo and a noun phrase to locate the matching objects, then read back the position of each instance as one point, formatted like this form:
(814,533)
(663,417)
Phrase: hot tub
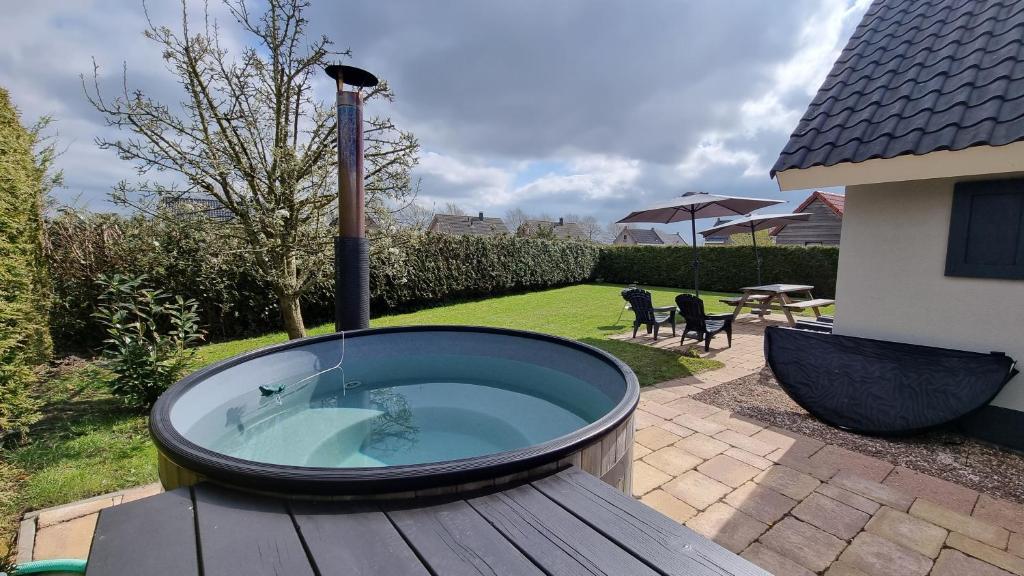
(399,412)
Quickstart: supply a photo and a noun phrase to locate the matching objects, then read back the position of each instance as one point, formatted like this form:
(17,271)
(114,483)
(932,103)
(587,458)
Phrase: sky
(589,107)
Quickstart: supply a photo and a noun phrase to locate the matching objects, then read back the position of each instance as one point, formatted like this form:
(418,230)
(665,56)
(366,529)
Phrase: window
(986,230)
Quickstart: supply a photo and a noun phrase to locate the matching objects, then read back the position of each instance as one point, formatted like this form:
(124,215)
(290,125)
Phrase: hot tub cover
(878,387)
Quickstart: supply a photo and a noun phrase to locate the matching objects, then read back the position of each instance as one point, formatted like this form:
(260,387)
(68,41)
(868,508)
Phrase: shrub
(149,334)
(24,334)
(722,268)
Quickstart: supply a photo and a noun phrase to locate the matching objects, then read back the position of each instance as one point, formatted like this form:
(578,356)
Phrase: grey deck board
(161,533)
(569,523)
(247,535)
(353,540)
(671,548)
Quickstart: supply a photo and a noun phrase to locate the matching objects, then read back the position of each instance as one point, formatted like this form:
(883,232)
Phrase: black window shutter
(986,230)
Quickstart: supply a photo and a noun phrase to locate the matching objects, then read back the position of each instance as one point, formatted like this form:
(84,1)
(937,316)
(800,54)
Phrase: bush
(149,334)
(722,268)
(24,332)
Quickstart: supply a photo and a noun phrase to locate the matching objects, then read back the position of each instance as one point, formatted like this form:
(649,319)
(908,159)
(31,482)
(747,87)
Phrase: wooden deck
(567,523)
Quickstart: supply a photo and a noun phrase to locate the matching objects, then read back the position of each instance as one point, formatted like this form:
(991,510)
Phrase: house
(821,229)
(922,120)
(561,230)
(718,239)
(648,237)
(463,225)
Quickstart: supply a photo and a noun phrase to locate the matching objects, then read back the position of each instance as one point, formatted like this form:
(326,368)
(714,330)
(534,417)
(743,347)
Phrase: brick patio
(789,503)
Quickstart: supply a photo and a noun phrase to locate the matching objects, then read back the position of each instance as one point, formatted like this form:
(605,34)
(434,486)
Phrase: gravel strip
(943,453)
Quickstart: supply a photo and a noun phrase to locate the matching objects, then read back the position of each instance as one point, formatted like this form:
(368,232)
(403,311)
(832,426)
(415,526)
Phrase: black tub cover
(877,387)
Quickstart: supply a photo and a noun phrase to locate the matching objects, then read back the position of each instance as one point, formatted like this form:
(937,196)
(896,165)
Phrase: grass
(87,445)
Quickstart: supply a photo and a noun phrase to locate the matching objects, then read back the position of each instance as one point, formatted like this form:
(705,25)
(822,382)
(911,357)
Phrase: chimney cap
(351,75)
(561,221)
(481,216)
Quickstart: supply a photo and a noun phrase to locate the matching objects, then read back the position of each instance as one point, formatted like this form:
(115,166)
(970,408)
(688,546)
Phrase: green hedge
(722,268)
(24,337)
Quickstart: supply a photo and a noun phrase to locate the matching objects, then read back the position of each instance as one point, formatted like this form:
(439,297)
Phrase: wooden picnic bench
(772,295)
(567,523)
(814,304)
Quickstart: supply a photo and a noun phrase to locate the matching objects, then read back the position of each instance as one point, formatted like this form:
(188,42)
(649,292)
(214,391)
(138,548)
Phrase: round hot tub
(393,412)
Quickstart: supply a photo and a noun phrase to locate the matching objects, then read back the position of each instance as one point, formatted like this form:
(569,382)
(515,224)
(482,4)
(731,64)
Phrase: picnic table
(567,523)
(762,297)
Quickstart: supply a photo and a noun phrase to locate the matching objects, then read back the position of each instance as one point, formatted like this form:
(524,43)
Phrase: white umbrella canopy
(692,206)
(752,223)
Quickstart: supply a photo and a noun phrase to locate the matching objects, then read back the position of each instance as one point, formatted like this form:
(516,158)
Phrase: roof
(836,202)
(463,225)
(917,76)
(561,229)
(653,236)
(717,238)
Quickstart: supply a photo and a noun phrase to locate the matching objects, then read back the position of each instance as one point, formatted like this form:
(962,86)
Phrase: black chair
(645,312)
(699,325)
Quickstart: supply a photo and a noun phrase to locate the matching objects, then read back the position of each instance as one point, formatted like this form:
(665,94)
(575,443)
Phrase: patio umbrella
(691,206)
(752,224)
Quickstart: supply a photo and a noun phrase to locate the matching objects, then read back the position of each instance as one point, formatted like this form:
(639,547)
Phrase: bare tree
(250,134)
(453,209)
(613,230)
(515,218)
(414,216)
(592,228)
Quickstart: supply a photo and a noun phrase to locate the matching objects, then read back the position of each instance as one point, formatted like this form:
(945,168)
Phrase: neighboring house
(922,120)
(462,225)
(719,239)
(562,230)
(209,207)
(648,237)
(821,229)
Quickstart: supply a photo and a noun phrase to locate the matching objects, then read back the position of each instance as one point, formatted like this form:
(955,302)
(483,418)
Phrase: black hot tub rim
(322,481)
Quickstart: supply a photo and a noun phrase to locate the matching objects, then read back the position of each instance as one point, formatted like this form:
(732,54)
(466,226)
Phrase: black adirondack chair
(699,325)
(646,314)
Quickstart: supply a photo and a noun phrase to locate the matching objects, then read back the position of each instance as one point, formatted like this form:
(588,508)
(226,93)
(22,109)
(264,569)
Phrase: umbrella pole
(696,256)
(757,256)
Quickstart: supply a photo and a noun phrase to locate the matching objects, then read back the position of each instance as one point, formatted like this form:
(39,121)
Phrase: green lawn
(87,445)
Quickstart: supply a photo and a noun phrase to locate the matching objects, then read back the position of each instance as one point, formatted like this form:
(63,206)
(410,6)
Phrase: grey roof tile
(918,76)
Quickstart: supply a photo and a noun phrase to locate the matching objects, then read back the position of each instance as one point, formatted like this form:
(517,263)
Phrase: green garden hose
(50,566)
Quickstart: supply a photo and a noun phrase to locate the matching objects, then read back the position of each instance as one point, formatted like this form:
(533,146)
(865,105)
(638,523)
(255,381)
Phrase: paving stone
(674,428)
(693,407)
(790,442)
(787,481)
(703,446)
(849,498)
(660,410)
(729,471)
(657,396)
(669,505)
(773,562)
(956,563)
(71,511)
(639,451)
(647,478)
(752,459)
(70,539)
(738,423)
(803,543)
(699,424)
(760,502)
(672,461)
(1001,513)
(140,492)
(843,569)
(26,542)
(952,496)
(744,442)
(853,462)
(986,553)
(880,493)
(1016,545)
(877,556)
(906,530)
(696,489)
(655,437)
(643,419)
(820,470)
(966,525)
(727,526)
(831,516)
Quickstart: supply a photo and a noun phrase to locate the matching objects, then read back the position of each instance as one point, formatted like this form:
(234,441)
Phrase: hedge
(722,268)
(24,337)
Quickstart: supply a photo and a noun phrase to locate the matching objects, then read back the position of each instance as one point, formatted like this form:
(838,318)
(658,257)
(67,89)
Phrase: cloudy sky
(592,107)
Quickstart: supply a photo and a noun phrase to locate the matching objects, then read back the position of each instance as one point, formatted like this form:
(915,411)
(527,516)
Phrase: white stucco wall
(892,283)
